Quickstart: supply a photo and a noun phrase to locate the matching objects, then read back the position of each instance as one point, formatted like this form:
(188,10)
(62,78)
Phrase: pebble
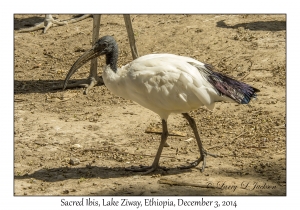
(188,140)
(76,146)
(74,161)
(66,192)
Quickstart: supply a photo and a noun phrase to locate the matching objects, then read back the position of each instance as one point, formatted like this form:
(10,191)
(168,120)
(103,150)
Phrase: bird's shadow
(21,23)
(257,25)
(66,173)
(42,86)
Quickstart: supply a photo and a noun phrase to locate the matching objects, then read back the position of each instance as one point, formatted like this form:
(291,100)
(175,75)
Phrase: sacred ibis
(165,84)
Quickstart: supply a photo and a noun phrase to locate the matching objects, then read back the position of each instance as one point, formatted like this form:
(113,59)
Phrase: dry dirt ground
(68,143)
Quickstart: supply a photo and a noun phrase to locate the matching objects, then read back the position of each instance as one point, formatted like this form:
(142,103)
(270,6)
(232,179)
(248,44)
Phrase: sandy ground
(68,143)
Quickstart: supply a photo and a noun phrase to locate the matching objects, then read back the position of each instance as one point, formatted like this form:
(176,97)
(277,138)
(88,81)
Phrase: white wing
(165,83)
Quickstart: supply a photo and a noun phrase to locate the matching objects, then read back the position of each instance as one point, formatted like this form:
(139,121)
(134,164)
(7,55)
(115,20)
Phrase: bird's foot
(49,21)
(87,84)
(46,24)
(199,160)
(145,169)
(77,18)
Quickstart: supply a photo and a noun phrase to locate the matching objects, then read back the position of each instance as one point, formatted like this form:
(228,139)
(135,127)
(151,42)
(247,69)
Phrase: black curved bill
(89,55)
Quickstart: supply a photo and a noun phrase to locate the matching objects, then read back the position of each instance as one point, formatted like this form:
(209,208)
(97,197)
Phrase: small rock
(188,140)
(79,49)
(76,146)
(74,161)
(66,192)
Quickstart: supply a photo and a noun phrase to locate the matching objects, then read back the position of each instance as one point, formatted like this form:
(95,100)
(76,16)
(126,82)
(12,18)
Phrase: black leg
(203,153)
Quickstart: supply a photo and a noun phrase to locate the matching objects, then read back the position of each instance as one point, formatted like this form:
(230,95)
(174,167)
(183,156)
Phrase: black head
(106,45)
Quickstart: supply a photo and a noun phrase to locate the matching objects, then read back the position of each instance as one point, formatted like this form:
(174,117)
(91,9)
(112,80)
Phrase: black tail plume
(234,89)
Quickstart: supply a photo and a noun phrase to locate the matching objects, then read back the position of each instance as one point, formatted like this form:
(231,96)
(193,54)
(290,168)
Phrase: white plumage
(165,84)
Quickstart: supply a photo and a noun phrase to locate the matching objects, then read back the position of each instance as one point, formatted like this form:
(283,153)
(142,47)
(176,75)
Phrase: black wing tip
(248,98)
(245,101)
(222,82)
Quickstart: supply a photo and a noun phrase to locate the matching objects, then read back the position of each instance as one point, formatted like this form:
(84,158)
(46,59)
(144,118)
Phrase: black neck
(112,57)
